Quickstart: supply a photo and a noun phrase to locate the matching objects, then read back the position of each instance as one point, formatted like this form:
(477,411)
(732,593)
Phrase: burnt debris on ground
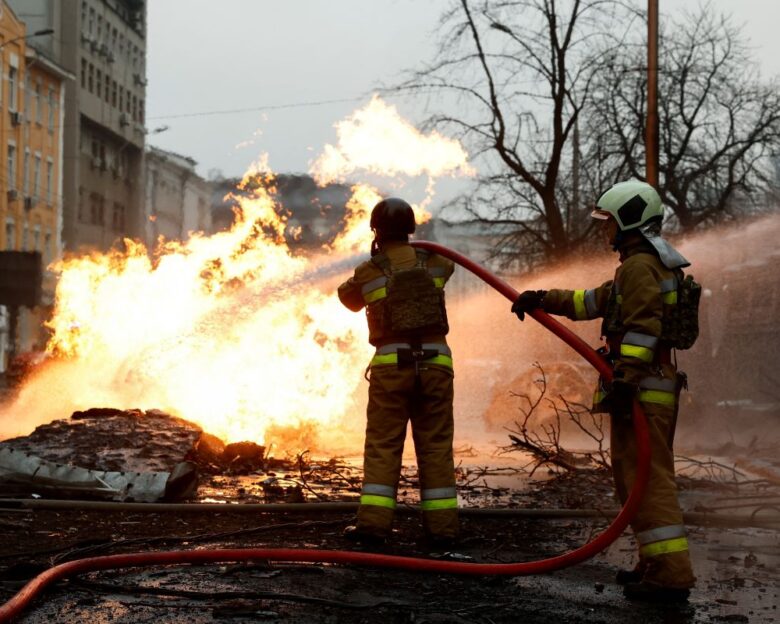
(737,568)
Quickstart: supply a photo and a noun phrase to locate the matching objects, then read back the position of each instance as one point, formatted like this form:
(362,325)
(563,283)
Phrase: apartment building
(178,200)
(103,43)
(31,119)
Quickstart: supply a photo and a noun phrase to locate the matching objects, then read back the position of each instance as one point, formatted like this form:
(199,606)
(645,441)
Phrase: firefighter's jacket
(367,286)
(633,306)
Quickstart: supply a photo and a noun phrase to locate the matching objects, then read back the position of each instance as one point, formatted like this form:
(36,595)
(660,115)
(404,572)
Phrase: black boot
(624,577)
(355,534)
(439,543)
(650,592)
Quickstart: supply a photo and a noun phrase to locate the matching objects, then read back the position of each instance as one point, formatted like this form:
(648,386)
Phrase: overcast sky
(206,56)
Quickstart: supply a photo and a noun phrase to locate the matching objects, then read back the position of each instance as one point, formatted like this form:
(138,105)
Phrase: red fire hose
(22,599)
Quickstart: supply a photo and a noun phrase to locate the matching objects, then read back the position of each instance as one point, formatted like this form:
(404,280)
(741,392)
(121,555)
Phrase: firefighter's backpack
(681,321)
(413,306)
(680,324)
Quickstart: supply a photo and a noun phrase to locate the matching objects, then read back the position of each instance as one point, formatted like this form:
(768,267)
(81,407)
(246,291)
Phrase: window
(25,237)
(118,217)
(91,21)
(47,256)
(96,209)
(38,102)
(107,94)
(83,73)
(113,93)
(121,99)
(141,111)
(26,173)
(84,16)
(37,176)
(11,166)
(121,45)
(135,109)
(28,96)
(49,180)
(90,77)
(99,27)
(98,83)
(37,238)
(10,234)
(82,207)
(13,76)
(52,108)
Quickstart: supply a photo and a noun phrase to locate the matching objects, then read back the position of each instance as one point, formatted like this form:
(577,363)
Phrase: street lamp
(37,33)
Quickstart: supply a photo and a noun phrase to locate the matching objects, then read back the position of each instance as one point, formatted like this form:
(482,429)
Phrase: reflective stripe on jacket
(632,306)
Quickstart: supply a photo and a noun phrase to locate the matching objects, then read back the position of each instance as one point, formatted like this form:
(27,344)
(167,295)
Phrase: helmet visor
(601,215)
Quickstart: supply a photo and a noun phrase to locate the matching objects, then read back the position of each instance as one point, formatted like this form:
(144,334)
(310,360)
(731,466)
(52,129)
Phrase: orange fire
(231,331)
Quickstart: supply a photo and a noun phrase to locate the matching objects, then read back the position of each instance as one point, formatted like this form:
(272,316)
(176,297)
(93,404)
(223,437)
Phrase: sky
(284,55)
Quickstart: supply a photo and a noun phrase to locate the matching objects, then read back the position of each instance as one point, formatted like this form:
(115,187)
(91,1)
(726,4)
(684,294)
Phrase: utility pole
(651,128)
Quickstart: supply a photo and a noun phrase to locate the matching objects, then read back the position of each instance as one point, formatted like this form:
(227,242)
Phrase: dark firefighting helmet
(392,216)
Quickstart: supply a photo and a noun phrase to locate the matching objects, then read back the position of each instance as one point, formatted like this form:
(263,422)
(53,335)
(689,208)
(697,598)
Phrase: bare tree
(718,121)
(523,71)
(551,100)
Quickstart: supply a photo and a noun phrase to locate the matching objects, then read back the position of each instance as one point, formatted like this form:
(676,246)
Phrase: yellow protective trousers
(658,525)
(397,396)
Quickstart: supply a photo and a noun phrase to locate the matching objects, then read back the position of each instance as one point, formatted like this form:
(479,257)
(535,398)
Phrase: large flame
(235,331)
(376,139)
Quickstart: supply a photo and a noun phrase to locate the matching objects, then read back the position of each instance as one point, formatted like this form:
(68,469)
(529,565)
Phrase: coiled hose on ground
(27,594)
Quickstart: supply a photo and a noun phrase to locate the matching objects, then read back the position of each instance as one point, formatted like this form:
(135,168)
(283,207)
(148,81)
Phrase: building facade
(102,43)
(178,201)
(32,93)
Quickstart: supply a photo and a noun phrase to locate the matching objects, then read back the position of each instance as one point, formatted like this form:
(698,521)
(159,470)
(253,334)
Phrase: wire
(236,111)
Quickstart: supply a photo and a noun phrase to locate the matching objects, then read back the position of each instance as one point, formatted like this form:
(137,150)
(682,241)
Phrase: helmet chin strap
(617,242)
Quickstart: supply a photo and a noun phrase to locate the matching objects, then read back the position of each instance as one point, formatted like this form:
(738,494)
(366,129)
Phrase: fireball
(234,331)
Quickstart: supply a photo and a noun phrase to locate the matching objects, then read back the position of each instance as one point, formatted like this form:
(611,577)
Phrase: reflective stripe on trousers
(433,499)
(378,495)
(662,540)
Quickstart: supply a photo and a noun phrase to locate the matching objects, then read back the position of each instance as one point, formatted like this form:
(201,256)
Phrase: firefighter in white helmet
(643,321)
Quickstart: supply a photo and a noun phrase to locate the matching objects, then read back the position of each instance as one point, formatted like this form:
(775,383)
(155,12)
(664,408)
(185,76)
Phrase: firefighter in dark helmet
(648,309)
(411,376)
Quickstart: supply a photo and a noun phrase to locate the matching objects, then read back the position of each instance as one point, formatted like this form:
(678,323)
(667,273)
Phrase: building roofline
(7,7)
(34,54)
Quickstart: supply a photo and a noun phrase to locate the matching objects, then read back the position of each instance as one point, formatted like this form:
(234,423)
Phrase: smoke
(734,389)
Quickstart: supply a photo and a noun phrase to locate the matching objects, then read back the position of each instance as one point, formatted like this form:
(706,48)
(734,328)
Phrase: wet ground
(738,571)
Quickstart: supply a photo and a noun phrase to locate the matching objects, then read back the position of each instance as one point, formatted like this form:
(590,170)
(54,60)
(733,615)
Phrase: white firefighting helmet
(636,205)
(632,204)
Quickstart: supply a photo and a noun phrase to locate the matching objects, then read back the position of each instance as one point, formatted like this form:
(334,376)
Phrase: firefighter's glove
(527,301)
(621,398)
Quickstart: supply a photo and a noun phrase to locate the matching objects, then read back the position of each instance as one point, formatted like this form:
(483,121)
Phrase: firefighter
(411,377)
(638,307)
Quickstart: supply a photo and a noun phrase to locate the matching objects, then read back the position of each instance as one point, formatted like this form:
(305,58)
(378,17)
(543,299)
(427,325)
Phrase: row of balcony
(29,201)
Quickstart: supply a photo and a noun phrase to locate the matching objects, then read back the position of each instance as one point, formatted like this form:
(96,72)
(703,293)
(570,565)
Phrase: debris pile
(112,439)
